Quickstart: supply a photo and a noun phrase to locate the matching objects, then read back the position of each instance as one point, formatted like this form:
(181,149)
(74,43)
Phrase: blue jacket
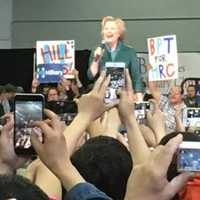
(85,191)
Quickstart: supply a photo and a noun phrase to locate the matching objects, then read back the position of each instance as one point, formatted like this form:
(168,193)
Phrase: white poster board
(54,60)
(188,67)
(163,58)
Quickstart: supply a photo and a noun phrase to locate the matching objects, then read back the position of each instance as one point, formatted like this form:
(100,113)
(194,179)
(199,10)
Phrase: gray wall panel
(95,9)
(87,34)
(5,23)
(79,19)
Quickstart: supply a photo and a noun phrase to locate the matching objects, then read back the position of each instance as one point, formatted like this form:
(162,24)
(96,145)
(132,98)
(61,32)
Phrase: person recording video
(113,49)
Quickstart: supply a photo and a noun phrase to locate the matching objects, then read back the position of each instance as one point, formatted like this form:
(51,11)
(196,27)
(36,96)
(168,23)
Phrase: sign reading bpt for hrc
(163,58)
(55,60)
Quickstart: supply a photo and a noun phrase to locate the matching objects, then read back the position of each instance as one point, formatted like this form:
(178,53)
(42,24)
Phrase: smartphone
(191,117)
(140,109)
(116,70)
(28,108)
(188,158)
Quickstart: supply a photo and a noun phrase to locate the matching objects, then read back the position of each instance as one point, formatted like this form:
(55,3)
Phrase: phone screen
(28,109)
(140,109)
(188,158)
(117,80)
(191,117)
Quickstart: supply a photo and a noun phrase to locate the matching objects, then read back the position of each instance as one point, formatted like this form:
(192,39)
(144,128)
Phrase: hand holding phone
(140,109)
(188,158)
(28,108)
(116,70)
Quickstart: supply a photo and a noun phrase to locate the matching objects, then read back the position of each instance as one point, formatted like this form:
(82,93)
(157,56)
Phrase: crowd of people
(105,152)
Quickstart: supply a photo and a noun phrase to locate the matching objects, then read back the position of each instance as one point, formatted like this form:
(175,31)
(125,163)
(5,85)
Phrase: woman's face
(111,32)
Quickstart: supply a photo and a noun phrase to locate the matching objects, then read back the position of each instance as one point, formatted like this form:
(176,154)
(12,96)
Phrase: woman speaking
(113,49)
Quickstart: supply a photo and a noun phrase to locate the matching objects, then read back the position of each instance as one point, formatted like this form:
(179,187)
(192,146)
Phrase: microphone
(102,46)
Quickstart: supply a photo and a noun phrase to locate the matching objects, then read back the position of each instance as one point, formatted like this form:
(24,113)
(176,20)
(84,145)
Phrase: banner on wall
(54,60)
(163,58)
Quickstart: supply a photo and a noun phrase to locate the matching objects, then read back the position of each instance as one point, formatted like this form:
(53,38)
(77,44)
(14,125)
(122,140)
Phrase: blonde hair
(119,22)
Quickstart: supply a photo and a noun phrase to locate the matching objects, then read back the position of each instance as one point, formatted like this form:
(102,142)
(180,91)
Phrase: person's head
(52,94)
(66,83)
(191,91)
(175,96)
(69,82)
(112,29)
(106,163)
(19,188)
(19,89)
(10,90)
(2,92)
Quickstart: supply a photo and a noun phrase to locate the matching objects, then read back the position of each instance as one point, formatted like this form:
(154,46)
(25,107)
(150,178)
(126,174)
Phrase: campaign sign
(163,58)
(55,60)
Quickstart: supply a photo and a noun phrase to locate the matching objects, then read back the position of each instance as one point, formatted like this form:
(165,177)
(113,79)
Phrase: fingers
(174,143)
(50,114)
(36,143)
(8,122)
(156,106)
(177,184)
(111,105)
(123,140)
(104,119)
(53,117)
(46,129)
(76,100)
(148,66)
(128,82)
(149,116)
(168,151)
(122,93)
(99,81)
(104,85)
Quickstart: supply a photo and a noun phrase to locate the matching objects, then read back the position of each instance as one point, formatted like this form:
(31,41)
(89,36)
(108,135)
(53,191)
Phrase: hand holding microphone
(98,53)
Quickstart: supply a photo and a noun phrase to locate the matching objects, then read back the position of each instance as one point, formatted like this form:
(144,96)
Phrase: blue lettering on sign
(168,39)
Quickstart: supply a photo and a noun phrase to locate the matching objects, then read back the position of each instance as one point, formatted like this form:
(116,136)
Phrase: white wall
(5,23)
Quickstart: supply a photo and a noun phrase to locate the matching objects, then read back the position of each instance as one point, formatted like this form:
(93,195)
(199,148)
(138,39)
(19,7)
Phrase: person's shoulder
(128,47)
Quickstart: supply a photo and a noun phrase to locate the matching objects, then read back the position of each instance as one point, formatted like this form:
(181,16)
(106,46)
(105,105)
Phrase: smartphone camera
(28,108)
(188,158)
(140,109)
(117,79)
(191,117)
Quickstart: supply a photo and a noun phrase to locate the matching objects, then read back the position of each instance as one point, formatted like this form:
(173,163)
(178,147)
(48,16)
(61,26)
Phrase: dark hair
(20,188)
(194,86)
(10,88)
(106,163)
(52,88)
(2,89)
(191,85)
